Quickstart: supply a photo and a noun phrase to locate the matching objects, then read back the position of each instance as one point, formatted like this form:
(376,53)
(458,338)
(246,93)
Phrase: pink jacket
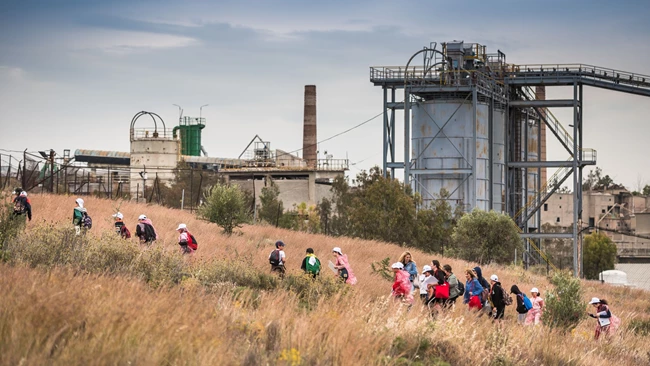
(342,260)
(402,284)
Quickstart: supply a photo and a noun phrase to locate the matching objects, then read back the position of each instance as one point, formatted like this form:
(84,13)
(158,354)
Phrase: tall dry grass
(59,317)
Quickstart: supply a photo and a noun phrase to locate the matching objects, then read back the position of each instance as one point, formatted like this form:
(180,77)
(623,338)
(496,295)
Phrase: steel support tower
(467,76)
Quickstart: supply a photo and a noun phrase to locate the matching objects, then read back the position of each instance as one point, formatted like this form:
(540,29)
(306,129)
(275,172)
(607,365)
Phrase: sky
(73,73)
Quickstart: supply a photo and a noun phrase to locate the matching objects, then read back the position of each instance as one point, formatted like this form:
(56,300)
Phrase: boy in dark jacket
(22,206)
(521,307)
(497,297)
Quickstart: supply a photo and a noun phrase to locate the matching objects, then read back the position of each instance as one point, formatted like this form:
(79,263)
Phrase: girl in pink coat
(402,285)
(535,314)
(343,266)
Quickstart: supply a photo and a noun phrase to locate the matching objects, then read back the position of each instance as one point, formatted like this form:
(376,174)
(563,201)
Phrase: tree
(646,190)
(271,209)
(599,254)
(486,237)
(435,225)
(564,307)
(382,209)
(324,209)
(226,206)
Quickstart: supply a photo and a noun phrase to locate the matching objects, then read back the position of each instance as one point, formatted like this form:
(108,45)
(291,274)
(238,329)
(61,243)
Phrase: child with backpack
(523,304)
(278,258)
(120,227)
(342,265)
(80,218)
(311,264)
(498,297)
(186,240)
(22,205)
(534,316)
(145,230)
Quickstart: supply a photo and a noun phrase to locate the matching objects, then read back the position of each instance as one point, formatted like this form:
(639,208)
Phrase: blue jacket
(480,278)
(473,287)
(412,269)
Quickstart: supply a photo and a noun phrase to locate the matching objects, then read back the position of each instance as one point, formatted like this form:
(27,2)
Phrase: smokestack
(540,94)
(309,128)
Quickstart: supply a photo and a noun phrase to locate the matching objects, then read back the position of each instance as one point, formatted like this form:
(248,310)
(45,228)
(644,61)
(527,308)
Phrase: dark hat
(279,243)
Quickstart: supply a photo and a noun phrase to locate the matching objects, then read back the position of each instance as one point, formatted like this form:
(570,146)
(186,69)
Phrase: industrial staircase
(588,157)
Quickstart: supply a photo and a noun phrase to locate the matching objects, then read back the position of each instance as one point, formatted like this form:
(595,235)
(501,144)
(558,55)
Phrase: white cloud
(122,42)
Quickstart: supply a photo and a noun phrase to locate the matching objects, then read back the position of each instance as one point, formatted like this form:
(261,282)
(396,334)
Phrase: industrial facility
(156,150)
(475,128)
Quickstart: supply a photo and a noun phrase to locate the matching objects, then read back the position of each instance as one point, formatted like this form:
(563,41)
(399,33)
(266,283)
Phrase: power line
(334,136)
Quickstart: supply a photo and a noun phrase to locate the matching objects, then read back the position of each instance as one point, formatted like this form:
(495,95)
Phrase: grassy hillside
(68,310)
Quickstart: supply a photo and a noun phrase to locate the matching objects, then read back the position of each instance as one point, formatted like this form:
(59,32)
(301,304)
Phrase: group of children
(311,265)
(439,288)
(146,232)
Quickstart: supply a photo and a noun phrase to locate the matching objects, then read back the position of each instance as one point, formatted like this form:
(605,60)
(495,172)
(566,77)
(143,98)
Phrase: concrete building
(616,213)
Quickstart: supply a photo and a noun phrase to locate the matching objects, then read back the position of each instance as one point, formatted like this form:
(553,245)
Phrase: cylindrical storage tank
(460,149)
(190,135)
(614,277)
(156,156)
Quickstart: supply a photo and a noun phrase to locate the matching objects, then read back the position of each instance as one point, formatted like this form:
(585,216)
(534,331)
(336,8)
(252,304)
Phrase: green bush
(640,326)
(564,307)
(225,205)
(486,237)
(10,227)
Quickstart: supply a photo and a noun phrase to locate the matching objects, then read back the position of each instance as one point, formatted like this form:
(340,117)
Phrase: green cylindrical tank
(190,135)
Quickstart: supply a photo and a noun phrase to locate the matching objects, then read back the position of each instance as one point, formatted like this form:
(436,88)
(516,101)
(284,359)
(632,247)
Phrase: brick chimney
(309,142)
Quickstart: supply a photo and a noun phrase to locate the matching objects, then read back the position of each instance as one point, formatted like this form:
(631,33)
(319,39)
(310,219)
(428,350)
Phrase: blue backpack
(527,303)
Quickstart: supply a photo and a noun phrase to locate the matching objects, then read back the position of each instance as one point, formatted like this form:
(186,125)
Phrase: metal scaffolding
(465,77)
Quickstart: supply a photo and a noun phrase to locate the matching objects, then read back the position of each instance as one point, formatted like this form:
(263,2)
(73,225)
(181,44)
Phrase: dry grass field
(67,314)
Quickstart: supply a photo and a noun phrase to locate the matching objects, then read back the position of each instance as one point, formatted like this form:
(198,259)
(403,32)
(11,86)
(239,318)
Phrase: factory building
(156,150)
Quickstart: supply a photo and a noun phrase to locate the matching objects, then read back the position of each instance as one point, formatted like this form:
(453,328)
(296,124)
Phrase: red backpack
(191,241)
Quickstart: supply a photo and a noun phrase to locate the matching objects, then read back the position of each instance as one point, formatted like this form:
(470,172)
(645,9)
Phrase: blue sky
(73,73)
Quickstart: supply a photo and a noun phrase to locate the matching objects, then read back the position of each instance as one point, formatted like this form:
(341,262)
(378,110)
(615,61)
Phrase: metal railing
(549,71)
(151,133)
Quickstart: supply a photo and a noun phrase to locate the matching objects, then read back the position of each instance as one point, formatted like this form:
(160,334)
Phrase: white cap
(494,278)
(338,250)
(534,289)
(181,227)
(594,300)
(80,202)
(398,265)
(23,194)
(142,217)
(426,268)
(119,215)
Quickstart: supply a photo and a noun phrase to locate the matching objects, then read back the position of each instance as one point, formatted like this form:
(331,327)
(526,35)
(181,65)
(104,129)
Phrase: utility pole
(51,170)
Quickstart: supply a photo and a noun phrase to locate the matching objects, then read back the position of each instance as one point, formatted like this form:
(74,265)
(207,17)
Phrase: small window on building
(603,210)
(560,206)
(609,208)
(560,197)
(557,219)
(592,222)
(546,207)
